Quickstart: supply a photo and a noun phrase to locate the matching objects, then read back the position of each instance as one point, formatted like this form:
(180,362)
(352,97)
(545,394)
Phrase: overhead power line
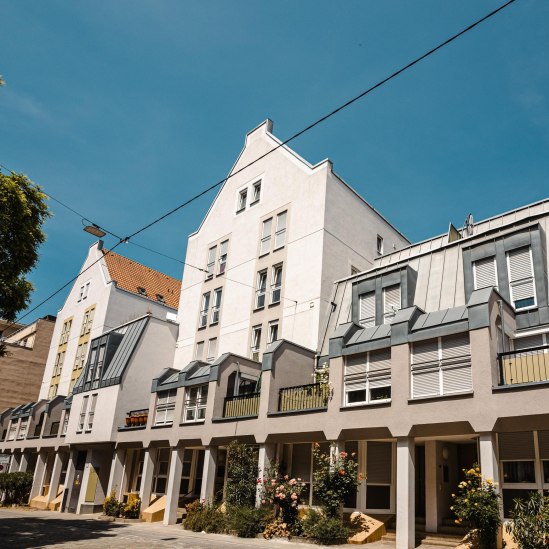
(290,139)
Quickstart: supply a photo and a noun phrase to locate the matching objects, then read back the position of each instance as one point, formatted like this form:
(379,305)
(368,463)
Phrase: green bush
(111,506)
(16,487)
(529,525)
(204,517)
(242,473)
(247,522)
(324,530)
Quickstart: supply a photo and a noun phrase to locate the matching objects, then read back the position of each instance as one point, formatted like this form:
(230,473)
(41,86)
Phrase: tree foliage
(242,474)
(23,211)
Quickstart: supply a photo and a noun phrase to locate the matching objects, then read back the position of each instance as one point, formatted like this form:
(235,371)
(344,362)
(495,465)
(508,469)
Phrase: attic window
(160,298)
(141,291)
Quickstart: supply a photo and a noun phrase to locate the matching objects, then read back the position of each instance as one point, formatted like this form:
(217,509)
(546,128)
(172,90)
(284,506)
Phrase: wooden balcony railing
(241,405)
(524,366)
(304,397)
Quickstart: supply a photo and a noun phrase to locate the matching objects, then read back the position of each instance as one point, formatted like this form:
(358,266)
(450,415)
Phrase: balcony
(524,366)
(241,405)
(136,419)
(304,397)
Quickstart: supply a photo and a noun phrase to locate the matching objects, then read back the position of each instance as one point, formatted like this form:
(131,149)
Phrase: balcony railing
(137,418)
(304,397)
(524,366)
(241,405)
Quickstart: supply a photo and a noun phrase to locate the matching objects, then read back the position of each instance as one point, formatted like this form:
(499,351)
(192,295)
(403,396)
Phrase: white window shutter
(368,309)
(380,360)
(425,352)
(391,302)
(425,382)
(520,264)
(528,342)
(355,366)
(455,347)
(485,273)
(457,379)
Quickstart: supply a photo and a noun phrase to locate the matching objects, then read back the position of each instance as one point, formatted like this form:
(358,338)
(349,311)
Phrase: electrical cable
(283,143)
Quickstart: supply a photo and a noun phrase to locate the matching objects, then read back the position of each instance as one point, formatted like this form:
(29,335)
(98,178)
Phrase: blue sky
(124,109)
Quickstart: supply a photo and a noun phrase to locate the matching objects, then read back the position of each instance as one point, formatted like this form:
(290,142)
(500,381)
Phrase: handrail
(529,365)
(241,405)
(304,397)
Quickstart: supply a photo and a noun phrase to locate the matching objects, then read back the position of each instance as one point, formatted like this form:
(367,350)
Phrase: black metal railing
(524,366)
(304,397)
(241,405)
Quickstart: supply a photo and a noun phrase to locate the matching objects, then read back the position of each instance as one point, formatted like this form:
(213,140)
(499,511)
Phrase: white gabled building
(273,241)
(111,291)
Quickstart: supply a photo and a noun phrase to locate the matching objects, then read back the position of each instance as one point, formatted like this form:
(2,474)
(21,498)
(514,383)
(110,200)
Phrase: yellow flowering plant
(477,505)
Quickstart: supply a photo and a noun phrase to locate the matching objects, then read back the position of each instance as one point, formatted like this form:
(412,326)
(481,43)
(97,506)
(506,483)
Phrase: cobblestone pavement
(30,529)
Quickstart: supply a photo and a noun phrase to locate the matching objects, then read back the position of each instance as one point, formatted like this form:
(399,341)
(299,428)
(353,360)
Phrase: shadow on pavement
(26,532)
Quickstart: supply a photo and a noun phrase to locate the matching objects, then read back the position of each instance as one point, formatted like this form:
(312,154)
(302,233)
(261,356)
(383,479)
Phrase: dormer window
(367,309)
(141,291)
(160,298)
(391,302)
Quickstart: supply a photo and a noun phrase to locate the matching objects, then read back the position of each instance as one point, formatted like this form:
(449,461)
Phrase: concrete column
(24,463)
(116,475)
(208,476)
(488,457)
(69,477)
(39,473)
(55,476)
(14,463)
(405,491)
(431,486)
(265,459)
(174,483)
(147,477)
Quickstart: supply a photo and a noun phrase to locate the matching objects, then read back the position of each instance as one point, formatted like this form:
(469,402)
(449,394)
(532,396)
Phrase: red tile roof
(130,275)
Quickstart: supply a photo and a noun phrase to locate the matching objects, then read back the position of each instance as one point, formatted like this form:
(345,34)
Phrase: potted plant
(134,420)
(128,421)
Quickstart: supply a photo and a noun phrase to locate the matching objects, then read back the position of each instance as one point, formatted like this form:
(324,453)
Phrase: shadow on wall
(26,532)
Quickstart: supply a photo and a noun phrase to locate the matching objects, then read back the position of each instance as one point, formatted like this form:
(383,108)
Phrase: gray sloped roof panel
(200,371)
(125,351)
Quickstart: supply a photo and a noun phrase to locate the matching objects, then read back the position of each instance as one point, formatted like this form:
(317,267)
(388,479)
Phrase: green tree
(23,211)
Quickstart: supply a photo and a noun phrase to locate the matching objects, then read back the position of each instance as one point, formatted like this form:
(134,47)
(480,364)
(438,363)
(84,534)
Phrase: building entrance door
(77,481)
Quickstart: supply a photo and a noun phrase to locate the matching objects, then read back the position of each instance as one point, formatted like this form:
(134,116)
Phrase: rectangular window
(65,422)
(58,366)
(256,343)
(368,378)
(261,289)
(242,199)
(210,267)
(273,331)
(391,303)
(23,428)
(100,362)
(195,403)
(485,273)
(160,480)
(280,234)
(90,320)
(84,291)
(12,431)
(265,245)
(204,310)
(367,309)
(216,306)
(87,322)
(521,278)
(82,418)
(199,351)
(65,331)
(77,357)
(223,248)
(165,405)
(379,245)
(276,284)
(212,349)
(91,412)
(519,472)
(256,193)
(441,366)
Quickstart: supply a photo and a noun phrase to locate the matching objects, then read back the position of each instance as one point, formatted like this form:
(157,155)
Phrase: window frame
(211,357)
(242,200)
(511,282)
(379,245)
(255,343)
(280,232)
(256,190)
(165,407)
(266,236)
(274,326)
(211,261)
(204,310)
(276,286)
(196,404)
(261,291)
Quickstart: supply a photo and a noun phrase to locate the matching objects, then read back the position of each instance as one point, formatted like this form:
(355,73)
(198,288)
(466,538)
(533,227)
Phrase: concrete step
(427,538)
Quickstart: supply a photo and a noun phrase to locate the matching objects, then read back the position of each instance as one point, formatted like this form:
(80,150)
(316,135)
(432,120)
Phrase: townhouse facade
(422,358)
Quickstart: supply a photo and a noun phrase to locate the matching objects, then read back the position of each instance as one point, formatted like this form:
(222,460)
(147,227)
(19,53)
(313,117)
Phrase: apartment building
(22,369)
(110,291)
(435,352)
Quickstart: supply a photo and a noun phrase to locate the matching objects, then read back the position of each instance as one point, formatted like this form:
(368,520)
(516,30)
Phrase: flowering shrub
(131,509)
(283,492)
(111,506)
(203,516)
(242,474)
(477,504)
(335,477)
